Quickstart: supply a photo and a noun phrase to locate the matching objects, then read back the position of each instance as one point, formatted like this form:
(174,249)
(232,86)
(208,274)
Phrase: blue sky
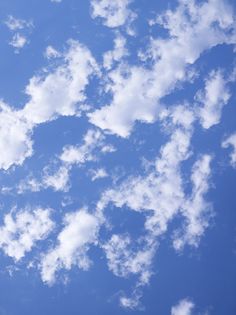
(117,157)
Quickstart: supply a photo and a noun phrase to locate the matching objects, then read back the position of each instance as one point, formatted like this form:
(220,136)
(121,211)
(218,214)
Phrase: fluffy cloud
(115,55)
(15,137)
(184,307)
(137,91)
(213,98)
(159,193)
(231,142)
(58,93)
(124,258)
(114,13)
(92,140)
(21,231)
(195,210)
(79,232)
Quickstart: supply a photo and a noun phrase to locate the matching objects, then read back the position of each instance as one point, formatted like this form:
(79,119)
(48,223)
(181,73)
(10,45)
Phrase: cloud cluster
(23,230)
(79,232)
(114,13)
(54,94)
(137,91)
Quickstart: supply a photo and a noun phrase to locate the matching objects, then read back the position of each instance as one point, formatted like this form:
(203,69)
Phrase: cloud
(51,52)
(111,57)
(22,29)
(59,92)
(231,142)
(58,181)
(73,242)
(196,210)
(15,24)
(92,140)
(98,173)
(58,177)
(15,137)
(184,307)
(214,97)
(114,13)
(126,258)
(137,90)
(18,41)
(23,230)
(159,193)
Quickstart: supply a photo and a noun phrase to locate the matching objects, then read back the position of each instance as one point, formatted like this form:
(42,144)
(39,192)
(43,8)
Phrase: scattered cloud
(137,91)
(113,56)
(231,142)
(114,13)
(79,232)
(21,231)
(58,93)
(214,97)
(184,307)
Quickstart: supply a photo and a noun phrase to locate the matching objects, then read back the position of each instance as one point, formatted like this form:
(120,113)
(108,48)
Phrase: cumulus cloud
(193,28)
(113,56)
(58,177)
(231,142)
(196,210)
(184,307)
(126,258)
(92,140)
(15,137)
(57,93)
(73,242)
(23,230)
(214,97)
(114,13)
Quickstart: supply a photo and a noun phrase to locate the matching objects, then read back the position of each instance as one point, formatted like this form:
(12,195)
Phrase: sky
(117,157)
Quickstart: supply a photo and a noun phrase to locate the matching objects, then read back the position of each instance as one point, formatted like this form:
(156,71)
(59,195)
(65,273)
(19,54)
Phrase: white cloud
(196,210)
(231,142)
(214,97)
(60,92)
(18,41)
(21,231)
(115,55)
(51,52)
(59,181)
(79,232)
(132,302)
(159,193)
(114,13)
(22,29)
(15,139)
(93,143)
(184,307)
(137,91)
(98,173)
(15,24)
(126,258)
(56,93)
(92,140)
